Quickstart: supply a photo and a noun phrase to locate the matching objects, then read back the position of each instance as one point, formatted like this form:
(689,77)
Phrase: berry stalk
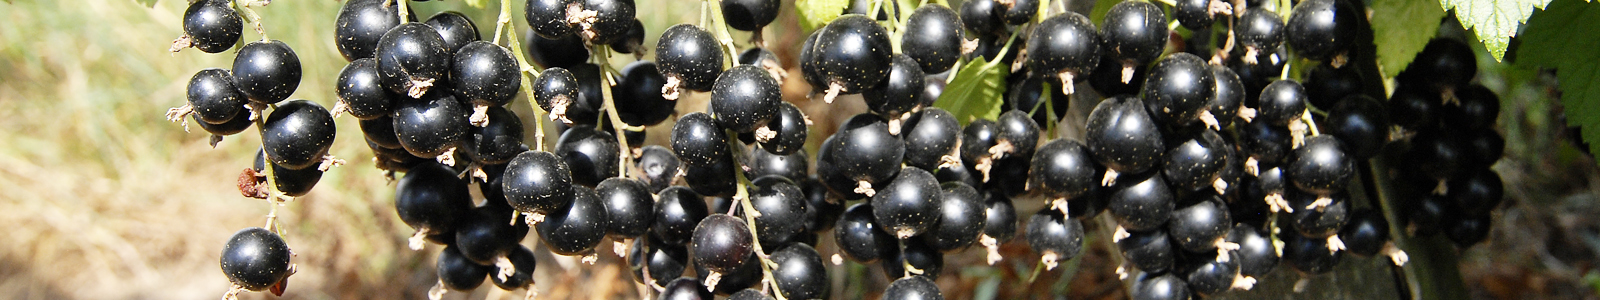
(528,71)
(601,54)
(742,196)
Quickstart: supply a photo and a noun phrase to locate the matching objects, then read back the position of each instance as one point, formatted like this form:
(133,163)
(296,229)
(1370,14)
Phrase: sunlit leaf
(815,13)
(1563,36)
(975,91)
(1495,21)
(1403,27)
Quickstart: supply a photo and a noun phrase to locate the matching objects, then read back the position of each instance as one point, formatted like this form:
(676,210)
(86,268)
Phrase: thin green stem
(405,10)
(528,71)
(742,197)
(255,18)
(602,55)
(721,31)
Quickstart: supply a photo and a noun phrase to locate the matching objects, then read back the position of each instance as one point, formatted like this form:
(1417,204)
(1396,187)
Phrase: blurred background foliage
(103,198)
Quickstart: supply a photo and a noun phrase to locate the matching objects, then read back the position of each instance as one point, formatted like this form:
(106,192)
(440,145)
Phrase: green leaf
(1101,7)
(477,3)
(1404,27)
(975,91)
(1495,21)
(815,13)
(1562,36)
(146,3)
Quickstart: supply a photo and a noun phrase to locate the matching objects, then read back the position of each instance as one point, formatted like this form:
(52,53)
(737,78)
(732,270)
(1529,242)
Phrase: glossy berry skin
(591,154)
(791,128)
(295,183)
(1309,255)
(1106,77)
(853,52)
(1466,231)
(538,182)
(630,207)
(579,229)
(1414,107)
(1320,166)
(1178,89)
(361,23)
(1026,94)
(1017,129)
(565,52)
(1141,202)
(933,38)
(677,212)
(1017,12)
(698,140)
(1265,142)
(1196,161)
(523,264)
(1366,232)
(862,150)
(1197,227)
(915,252)
(810,66)
(484,74)
(713,179)
(455,29)
(1437,155)
(744,276)
(548,18)
(1445,63)
(255,259)
(556,88)
(431,198)
(821,211)
(721,243)
(1259,30)
(1281,102)
(782,209)
(749,15)
(1257,254)
(1151,251)
(981,17)
(484,235)
(1050,232)
(899,93)
(458,273)
(664,261)
(1063,168)
(362,91)
(412,57)
(1427,215)
(1326,86)
(1361,124)
(859,237)
(929,135)
(1000,217)
(913,288)
(638,95)
(266,71)
(298,134)
(1210,273)
(631,41)
(212,25)
(613,19)
(690,54)
(685,289)
(213,97)
(1064,44)
(800,273)
(909,205)
(1312,223)
(497,142)
(976,139)
(1477,110)
(749,294)
(1123,137)
(430,126)
(1134,32)
(961,218)
(1476,193)
(1320,29)
(660,166)
(1193,14)
(1162,287)
(745,98)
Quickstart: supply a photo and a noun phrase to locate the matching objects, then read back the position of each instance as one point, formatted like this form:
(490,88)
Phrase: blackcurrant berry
(1106,77)
(750,15)
(1361,124)
(484,75)
(538,182)
(212,97)
(1198,227)
(412,59)
(496,142)
(485,235)
(660,166)
(1259,31)
(685,289)
(1016,135)
(929,136)
(1150,251)
(1476,111)
(1282,102)
(431,126)
(1063,169)
(557,91)
(745,98)
(1196,161)
(853,52)
(664,262)
(1141,201)
(256,259)
(913,288)
(917,254)
(982,17)
(1484,147)
(1320,166)
(1444,64)
(961,218)
(689,57)
(631,41)
(361,90)
(698,140)
(1211,273)
(1000,218)
(1318,223)
(782,211)
(1179,89)
(1151,286)
(1309,255)
(212,25)
(1476,193)
(430,198)
(266,71)
(1266,143)
(577,230)
(790,125)
(1194,14)
(1468,230)
(298,134)
(1064,47)
(1123,137)
(458,273)
(859,237)
(561,52)
(612,19)
(1027,95)
(860,156)
(909,205)
(548,18)
(295,183)
(1321,29)
(800,273)
(1413,107)
(1366,232)
(361,23)
(637,95)
(715,178)
(630,207)
(900,93)
(523,265)
(1257,254)
(721,243)
(933,38)
(1054,236)
(1017,12)
(677,212)
(591,154)
(1326,85)
(976,139)
(1134,33)
(455,29)
(744,276)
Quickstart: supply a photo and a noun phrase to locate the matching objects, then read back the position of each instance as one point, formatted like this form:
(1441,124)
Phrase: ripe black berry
(790,125)
(685,289)
(859,237)
(561,52)
(612,19)
(1414,107)
(677,212)
(1282,102)
(1211,273)
(1266,143)
(1065,47)
(1318,223)
(1361,124)
(1141,201)
(1198,227)
(697,139)
(212,25)
(538,182)
(1196,161)
(631,41)
(1321,29)
(295,183)
(690,58)
(961,218)
(256,259)
(1054,236)
(1326,85)
(913,288)
(430,126)
(1320,166)
(361,90)
(298,134)
(1467,230)
(1179,88)
(484,75)
(745,98)
(430,198)
(933,38)
(1123,137)
(1484,147)
(361,24)
(800,273)
(909,205)
(458,273)
(853,52)
(630,207)
(916,253)
(577,230)
(591,154)
(1477,110)
(665,262)
(1476,193)
(1194,14)
(1259,31)
(1063,169)
(1444,64)
(497,142)
(1257,254)
(1150,251)
(212,97)
(750,15)
(715,178)
(638,95)
(557,91)
(660,166)
(1366,232)
(266,71)
(1000,218)
(412,58)
(721,243)
(485,235)
(899,93)
(1309,255)
(860,156)
(455,29)
(981,17)
(929,136)
(1134,33)
(782,209)
(742,277)
(1015,136)
(523,265)
(548,18)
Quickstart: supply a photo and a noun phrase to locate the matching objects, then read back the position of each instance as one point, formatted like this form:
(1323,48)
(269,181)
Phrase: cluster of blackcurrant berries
(295,136)
(1448,123)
